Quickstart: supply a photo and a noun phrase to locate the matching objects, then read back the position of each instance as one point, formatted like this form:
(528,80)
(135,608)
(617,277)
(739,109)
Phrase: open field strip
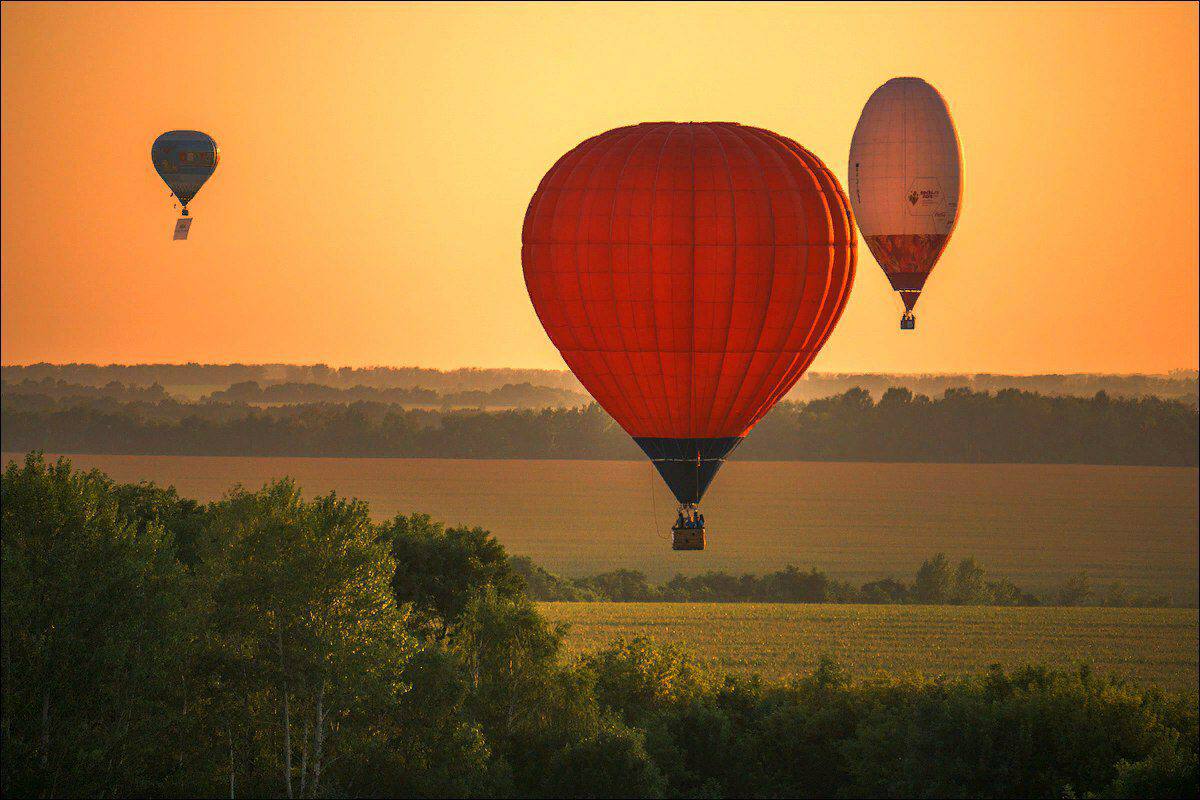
(1148,645)
(1034,524)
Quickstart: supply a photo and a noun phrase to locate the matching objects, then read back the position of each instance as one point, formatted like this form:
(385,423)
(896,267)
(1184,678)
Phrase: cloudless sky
(376,162)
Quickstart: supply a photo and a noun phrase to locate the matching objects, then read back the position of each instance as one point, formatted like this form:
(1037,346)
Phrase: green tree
(1168,772)
(611,762)
(440,748)
(1117,596)
(309,642)
(509,652)
(439,571)
(887,590)
(970,587)
(621,585)
(1075,591)
(641,678)
(540,584)
(1032,733)
(96,636)
(183,518)
(935,581)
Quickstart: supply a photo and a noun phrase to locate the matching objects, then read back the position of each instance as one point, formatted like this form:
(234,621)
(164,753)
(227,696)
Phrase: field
(1035,524)
(1149,646)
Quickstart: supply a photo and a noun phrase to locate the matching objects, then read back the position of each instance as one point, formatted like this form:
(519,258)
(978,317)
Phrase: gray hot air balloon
(184,160)
(906,183)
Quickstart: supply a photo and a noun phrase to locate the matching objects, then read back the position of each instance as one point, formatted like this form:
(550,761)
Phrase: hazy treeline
(960,426)
(519,395)
(56,389)
(937,582)
(332,429)
(1176,384)
(966,426)
(1179,384)
(225,375)
(269,646)
(510,395)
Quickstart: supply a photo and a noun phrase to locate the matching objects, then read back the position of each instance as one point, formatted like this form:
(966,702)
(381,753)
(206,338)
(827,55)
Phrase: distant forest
(509,395)
(225,375)
(937,582)
(205,378)
(960,426)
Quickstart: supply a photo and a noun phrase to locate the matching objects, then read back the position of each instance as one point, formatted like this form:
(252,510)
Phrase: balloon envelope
(688,273)
(905,181)
(185,160)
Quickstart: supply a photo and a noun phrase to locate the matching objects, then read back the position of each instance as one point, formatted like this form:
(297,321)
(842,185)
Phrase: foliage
(224,375)
(1031,733)
(439,571)
(97,633)
(272,645)
(510,395)
(261,653)
(972,427)
(308,637)
(541,584)
(936,583)
(1180,383)
(1010,426)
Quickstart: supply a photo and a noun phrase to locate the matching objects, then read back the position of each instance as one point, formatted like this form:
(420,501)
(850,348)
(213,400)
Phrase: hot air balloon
(184,160)
(905,183)
(688,273)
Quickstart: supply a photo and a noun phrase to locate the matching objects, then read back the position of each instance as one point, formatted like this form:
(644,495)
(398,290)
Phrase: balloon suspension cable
(654,505)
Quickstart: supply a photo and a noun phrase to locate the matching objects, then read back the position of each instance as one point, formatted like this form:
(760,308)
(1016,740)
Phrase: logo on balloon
(925,197)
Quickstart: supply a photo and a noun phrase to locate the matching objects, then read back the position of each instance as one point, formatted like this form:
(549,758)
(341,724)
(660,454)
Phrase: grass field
(1150,646)
(1035,524)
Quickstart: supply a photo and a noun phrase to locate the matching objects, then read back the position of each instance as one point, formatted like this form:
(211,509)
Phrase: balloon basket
(908,323)
(687,538)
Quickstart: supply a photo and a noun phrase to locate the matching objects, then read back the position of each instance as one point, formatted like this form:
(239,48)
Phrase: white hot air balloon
(905,183)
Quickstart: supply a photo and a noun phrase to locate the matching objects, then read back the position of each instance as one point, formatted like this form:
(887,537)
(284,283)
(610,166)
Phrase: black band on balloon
(687,466)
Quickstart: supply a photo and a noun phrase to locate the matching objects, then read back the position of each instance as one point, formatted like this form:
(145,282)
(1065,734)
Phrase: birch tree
(313,640)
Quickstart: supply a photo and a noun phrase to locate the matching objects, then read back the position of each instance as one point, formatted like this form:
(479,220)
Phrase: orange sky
(376,162)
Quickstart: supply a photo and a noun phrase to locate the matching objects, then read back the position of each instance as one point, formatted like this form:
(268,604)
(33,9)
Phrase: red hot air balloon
(689,273)
(906,183)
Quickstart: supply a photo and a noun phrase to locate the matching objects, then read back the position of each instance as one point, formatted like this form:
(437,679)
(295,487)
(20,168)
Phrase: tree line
(961,426)
(225,375)
(57,389)
(510,395)
(1180,383)
(937,582)
(265,645)
(251,393)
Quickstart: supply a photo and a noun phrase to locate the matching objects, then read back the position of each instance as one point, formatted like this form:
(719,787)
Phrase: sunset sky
(376,163)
